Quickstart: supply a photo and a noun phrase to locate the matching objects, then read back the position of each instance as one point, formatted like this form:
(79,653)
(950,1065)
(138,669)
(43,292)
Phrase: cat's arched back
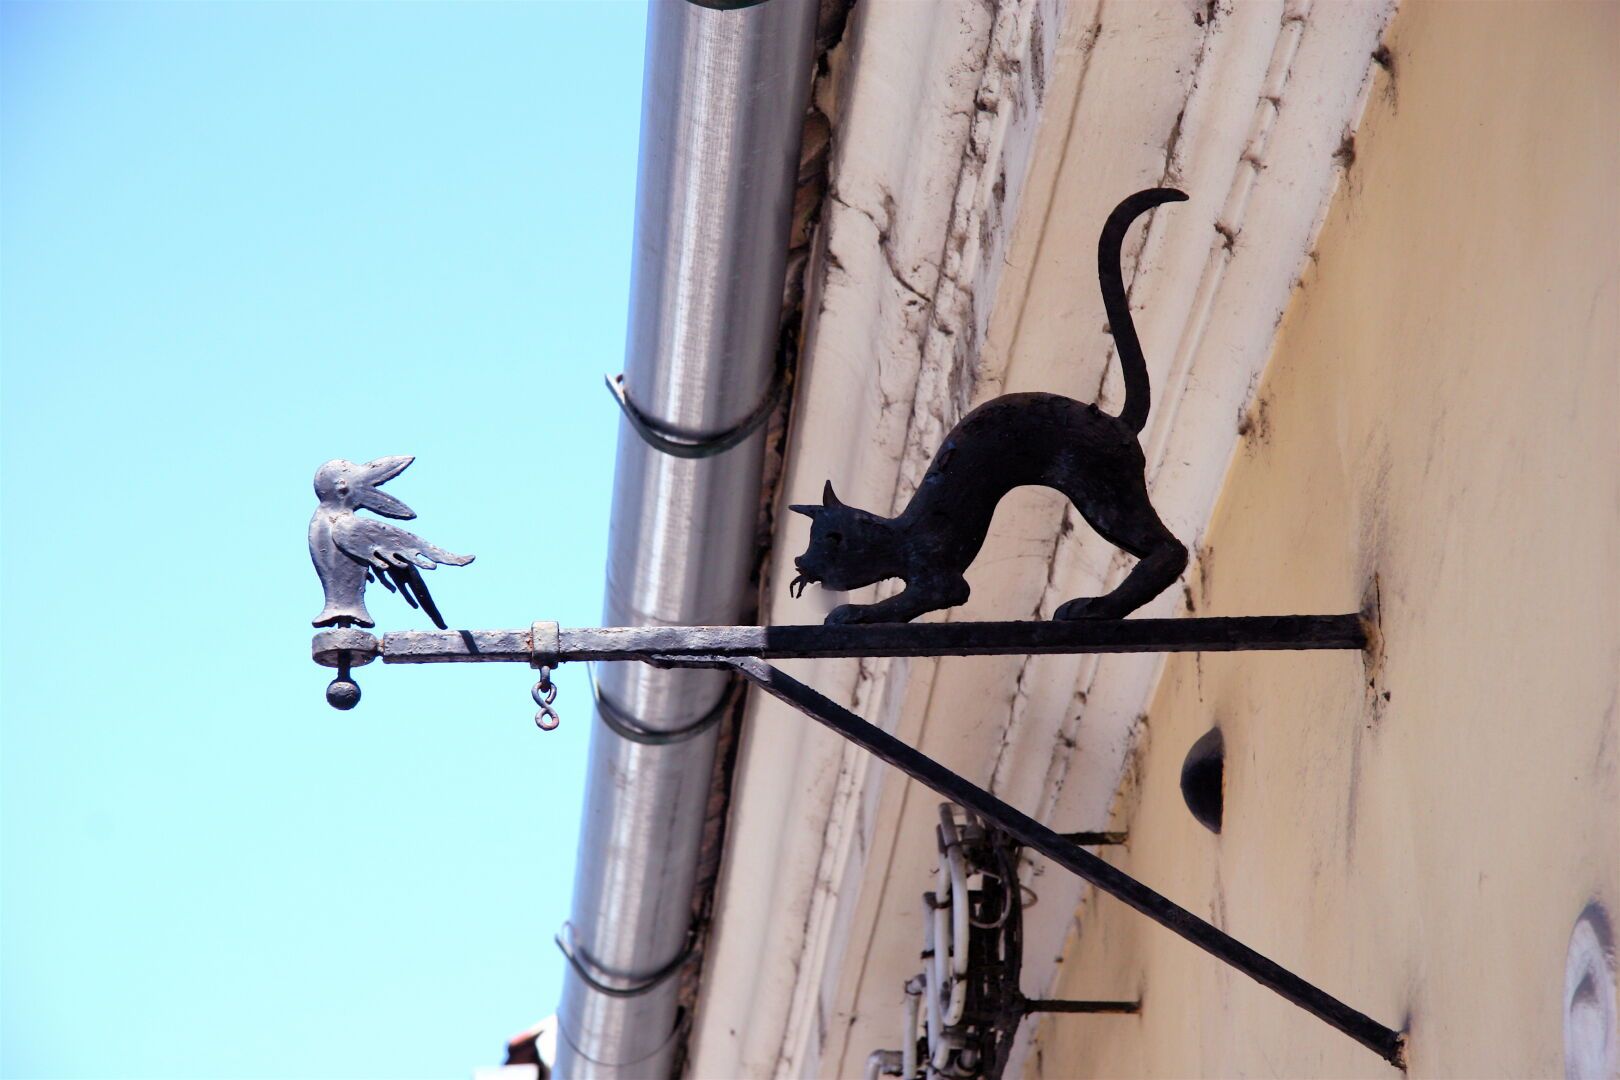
(1012,441)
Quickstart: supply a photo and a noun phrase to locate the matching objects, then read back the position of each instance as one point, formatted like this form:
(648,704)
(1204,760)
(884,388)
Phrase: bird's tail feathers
(406,579)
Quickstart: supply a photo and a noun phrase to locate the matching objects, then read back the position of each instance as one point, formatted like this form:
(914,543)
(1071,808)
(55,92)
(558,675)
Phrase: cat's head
(849,548)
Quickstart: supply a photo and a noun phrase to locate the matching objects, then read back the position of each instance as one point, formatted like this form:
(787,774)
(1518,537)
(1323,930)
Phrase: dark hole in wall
(1203,776)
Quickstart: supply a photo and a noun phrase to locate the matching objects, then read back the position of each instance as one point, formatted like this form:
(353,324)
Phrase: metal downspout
(723,104)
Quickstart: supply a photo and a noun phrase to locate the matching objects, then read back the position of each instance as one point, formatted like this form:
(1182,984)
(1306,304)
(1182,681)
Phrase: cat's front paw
(849,615)
(1084,607)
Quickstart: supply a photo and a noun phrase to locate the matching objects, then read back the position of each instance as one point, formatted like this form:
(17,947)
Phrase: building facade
(1384,342)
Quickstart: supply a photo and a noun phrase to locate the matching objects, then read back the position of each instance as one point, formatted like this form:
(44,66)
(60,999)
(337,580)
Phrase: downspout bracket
(667,440)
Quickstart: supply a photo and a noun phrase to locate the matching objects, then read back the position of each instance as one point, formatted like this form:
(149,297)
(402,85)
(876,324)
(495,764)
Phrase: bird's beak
(374,473)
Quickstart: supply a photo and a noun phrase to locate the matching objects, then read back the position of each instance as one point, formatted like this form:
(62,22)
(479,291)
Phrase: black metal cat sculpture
(1045,440)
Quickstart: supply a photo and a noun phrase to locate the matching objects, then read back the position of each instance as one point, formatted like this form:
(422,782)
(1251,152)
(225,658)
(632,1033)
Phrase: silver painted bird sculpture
(348,550)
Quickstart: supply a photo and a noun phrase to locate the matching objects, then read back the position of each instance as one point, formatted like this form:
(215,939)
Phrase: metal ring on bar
(667,440)
(578,958)
(545,645)
(623,725)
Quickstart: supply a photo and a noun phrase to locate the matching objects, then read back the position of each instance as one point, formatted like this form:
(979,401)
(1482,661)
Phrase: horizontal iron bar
(1385,1042)
(1095,839)
(457,647)
(1047,1005)
(1249,632)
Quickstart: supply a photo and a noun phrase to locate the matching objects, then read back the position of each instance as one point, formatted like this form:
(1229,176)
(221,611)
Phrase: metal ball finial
(343,693)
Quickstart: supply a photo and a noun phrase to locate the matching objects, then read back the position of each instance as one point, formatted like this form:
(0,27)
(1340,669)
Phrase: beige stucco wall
(1439,430)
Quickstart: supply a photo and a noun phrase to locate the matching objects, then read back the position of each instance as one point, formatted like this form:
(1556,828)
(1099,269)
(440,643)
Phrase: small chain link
(544,693)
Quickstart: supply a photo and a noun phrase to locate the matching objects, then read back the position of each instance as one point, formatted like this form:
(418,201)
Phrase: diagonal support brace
(1385,1042)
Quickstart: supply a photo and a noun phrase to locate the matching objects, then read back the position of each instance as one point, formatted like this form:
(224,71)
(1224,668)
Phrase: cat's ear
(809,511)
(828,498)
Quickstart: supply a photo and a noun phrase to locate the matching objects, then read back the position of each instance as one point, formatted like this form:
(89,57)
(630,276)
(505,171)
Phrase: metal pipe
(916,986)
(953,869)
(939,945)
(882,1063)
(938,1050)
(957,865)
(724,98)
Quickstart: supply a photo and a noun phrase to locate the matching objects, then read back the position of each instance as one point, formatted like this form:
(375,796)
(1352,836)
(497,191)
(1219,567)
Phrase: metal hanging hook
(544,693)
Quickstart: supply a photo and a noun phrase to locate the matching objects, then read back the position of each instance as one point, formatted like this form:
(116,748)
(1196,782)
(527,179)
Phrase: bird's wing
(395,557)
(379,543)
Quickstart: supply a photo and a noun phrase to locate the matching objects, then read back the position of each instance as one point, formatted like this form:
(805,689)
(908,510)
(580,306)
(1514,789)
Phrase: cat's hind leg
(1130,523)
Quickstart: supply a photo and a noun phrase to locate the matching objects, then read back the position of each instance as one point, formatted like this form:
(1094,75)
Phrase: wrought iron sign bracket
(1095,459)
(744,650)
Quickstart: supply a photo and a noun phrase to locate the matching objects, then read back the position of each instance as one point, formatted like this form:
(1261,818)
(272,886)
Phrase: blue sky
(235,241)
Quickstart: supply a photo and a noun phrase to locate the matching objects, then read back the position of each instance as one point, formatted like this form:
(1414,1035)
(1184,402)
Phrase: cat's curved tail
(1138,393)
